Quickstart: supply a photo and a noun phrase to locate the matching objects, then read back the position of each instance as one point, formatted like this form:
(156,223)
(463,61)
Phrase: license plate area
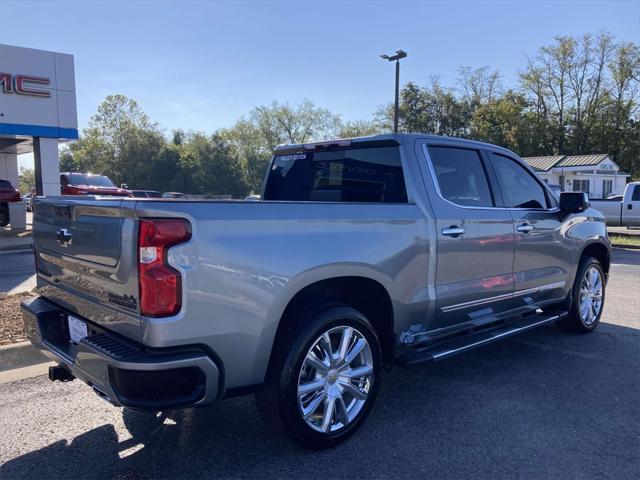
(77,329)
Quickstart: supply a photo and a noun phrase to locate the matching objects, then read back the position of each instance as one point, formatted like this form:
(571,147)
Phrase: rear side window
(519,188)
(461,176)
(372,175)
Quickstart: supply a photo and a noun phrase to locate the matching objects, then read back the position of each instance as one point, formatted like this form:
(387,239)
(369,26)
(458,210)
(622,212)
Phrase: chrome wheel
(335,379)
(591,290)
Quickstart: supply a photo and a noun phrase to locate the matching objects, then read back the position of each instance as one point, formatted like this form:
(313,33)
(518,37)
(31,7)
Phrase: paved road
(17,272)
(545,404)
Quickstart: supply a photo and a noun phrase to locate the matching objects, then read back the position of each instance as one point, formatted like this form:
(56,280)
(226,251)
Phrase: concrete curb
(25,372)
(20,355)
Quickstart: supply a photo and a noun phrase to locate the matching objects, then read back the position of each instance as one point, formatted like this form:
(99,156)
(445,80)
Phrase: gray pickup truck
(362,254)
(621,212)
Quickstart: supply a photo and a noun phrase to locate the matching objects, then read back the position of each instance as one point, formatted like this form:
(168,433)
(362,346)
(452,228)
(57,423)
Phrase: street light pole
(396,58)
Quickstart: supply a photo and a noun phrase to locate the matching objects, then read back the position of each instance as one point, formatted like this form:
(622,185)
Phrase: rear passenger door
(475,240)
(543,254)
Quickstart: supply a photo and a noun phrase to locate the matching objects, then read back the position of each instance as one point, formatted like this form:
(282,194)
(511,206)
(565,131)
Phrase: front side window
(519,188)
(372,175)
(636,194)
(461,176)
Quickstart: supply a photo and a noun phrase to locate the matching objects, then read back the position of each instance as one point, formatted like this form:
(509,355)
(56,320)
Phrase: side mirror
(574,202)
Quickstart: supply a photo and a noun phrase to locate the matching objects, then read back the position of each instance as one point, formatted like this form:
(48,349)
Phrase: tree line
(577,95)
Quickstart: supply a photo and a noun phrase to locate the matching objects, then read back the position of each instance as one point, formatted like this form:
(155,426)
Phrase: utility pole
(396,58)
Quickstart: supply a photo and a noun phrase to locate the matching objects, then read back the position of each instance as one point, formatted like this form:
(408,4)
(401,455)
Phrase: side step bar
(459,344)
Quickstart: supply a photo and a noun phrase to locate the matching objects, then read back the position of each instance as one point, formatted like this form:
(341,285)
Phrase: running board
(432,353)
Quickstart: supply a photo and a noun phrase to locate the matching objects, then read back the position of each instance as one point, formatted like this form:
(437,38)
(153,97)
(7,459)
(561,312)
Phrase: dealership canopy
(37,112)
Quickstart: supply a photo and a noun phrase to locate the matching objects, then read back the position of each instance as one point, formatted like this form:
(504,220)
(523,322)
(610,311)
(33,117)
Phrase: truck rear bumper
(123,372)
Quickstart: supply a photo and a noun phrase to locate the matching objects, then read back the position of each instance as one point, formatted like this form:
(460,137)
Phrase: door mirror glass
(574,202)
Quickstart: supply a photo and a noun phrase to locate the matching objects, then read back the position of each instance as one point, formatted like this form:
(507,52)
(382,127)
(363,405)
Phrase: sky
(201,65)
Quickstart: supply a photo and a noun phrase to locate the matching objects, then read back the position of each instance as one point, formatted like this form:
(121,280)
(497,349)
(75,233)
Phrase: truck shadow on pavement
(545,404)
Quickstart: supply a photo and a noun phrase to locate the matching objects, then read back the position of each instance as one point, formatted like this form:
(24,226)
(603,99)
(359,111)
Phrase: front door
(631,208)
(543,255)
(475,240)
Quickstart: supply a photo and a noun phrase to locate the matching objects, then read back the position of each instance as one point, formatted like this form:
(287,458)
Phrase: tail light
(160,285)
(71,190)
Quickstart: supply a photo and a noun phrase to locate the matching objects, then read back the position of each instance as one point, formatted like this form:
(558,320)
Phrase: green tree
(253,139)
(504,121)
(121,142)
(434,109)
(26,180)
(359,128)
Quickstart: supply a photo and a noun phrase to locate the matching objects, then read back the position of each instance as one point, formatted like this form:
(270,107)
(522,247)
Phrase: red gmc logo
(22,84)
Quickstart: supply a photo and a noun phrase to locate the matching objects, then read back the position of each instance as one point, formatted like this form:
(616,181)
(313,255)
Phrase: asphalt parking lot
(546,404)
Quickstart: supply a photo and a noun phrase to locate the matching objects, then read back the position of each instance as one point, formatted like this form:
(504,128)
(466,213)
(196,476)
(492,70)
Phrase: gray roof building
(544,164)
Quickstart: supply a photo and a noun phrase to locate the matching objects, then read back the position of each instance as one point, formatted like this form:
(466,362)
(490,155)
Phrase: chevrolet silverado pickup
(74,183)
(624,212)
(361,254)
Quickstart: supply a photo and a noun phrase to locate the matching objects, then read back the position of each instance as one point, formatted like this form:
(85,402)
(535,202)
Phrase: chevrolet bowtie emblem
(64,237)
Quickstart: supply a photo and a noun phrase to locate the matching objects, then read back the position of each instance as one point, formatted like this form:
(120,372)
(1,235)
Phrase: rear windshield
(5,184)
(90,180)
(372,175)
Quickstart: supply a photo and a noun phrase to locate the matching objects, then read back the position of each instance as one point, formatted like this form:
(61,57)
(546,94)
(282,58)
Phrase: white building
(596,174)
(37,111)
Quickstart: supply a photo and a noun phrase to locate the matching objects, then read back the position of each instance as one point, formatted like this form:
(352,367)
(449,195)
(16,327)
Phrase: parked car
(173,195)
(28,199)
(621,212)
(146,194)
(363,254)
(8,194)
(75,183)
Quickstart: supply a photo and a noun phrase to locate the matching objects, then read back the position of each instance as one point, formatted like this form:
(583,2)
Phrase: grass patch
(625,240)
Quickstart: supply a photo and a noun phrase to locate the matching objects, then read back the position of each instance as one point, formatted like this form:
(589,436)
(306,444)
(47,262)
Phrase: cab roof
(387,139)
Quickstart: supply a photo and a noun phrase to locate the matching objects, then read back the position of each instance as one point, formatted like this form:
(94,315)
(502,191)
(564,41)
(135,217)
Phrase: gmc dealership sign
(24,84)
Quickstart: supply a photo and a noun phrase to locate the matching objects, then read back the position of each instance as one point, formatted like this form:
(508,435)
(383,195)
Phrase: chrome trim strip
(505,296)
(474,303)
(435,182)
(552,286)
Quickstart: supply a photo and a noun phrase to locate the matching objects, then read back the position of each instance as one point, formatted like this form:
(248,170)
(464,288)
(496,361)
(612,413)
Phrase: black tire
(278,399)
(574,322)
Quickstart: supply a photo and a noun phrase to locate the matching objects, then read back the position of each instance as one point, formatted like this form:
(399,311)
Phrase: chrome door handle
(525,228)
(453,231)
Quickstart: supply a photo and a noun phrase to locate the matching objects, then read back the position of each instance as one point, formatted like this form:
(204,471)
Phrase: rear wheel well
(600,253)
(364,294)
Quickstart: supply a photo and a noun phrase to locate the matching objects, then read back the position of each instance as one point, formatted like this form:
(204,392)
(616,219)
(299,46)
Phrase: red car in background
(7,194)
(74,183)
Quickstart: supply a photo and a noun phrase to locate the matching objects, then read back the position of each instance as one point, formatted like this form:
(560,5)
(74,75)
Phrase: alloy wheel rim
(335,379)
(591,290)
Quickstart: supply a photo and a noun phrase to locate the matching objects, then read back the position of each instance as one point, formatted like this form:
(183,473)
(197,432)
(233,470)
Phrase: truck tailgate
(86,259)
